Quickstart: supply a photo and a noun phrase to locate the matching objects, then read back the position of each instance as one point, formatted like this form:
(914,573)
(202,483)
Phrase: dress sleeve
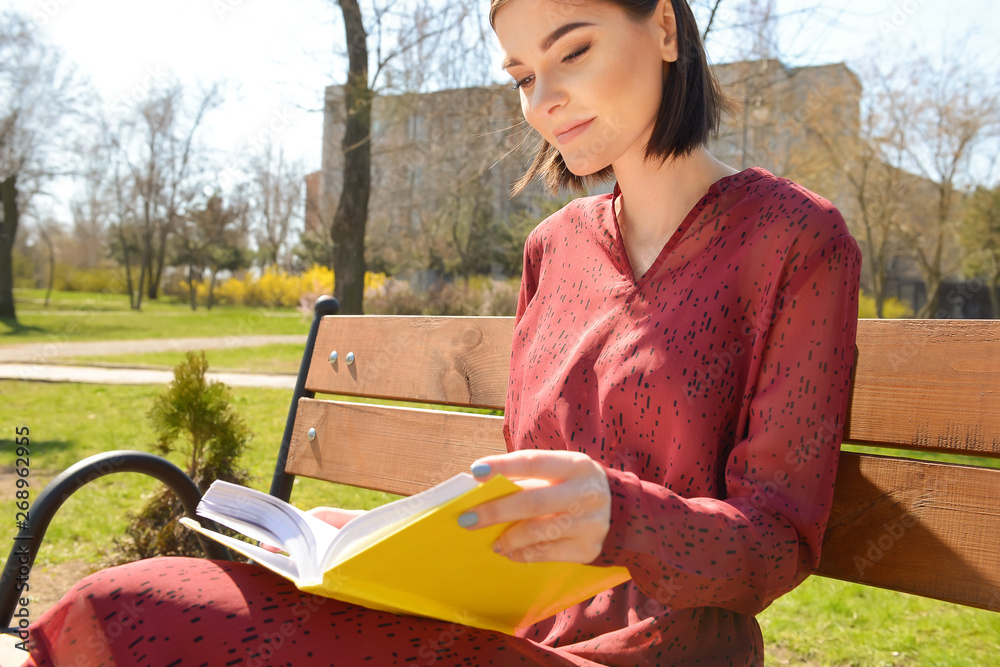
(764,537)
(529,274)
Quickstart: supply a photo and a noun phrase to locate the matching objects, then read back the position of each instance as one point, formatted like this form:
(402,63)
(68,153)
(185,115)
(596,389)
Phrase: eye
(522,82)
(576,54)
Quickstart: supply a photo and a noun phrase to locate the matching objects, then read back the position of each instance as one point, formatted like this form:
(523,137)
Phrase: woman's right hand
(334,516)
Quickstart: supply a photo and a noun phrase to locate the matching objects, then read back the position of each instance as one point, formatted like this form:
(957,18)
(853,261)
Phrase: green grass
(262,359)
(68,422)
(832,622)
(81,316)
(936,457)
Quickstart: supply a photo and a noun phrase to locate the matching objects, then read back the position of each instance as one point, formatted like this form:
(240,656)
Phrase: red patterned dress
(713,387)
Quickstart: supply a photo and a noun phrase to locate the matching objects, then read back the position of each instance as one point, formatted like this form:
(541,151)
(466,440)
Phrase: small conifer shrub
(196,419)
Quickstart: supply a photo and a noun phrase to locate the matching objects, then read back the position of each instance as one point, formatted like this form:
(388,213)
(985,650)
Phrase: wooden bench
(925,528)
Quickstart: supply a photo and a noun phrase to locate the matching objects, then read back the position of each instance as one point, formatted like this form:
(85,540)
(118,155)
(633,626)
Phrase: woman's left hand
(563,513)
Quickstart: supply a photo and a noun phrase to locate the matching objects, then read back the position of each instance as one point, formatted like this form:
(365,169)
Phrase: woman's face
(590,78)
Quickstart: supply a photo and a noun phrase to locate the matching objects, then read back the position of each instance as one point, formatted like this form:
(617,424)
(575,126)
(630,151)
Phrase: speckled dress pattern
(714,389)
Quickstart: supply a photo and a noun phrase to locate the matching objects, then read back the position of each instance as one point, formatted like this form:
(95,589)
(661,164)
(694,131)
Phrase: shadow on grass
(15,328)
(38,448)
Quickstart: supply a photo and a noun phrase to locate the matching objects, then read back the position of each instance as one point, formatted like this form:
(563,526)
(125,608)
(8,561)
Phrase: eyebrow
(549,41)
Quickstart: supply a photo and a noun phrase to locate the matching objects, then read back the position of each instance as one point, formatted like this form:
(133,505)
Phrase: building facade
(443,164)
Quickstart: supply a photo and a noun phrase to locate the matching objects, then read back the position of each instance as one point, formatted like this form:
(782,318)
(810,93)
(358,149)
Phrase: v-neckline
(716,188)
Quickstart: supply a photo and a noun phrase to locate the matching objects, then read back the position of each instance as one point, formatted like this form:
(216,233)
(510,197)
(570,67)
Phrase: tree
(157,146)
(351,217)
(124,243)
(947,116)
(46,230)
(211,238)
(400,32)
(276,202)
(903,168)
(981,239)
(863,159)
(40,98)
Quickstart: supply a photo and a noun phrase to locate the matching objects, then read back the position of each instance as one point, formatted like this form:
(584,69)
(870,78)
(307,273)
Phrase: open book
(409,556)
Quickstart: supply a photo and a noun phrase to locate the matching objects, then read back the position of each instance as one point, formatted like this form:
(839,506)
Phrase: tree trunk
(211,290)
(348,227)
(192,288)
(52,266)
(156,271)
(8,230)
(154,254)
(126,260)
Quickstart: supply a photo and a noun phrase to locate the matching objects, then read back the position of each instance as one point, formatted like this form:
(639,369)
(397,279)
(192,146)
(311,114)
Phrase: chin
(581,169)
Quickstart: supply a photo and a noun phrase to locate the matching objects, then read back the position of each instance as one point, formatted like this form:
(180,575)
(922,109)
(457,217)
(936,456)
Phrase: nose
(546,96)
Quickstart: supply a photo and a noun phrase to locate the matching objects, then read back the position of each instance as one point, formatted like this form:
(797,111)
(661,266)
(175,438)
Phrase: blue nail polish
(468,520)
(480,469)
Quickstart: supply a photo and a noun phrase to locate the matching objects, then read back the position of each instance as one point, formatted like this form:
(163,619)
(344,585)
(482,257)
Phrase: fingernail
(468,520)
(480,469)
(497,548)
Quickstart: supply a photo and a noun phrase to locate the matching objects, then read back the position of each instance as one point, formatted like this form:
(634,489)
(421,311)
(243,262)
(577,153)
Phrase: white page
(368,528)
(264,518)
(276,562)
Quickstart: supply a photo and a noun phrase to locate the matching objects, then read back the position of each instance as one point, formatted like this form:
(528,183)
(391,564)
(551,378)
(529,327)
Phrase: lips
(571,130)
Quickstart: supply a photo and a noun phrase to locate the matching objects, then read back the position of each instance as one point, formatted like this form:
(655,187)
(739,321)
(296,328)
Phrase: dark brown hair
(690,109)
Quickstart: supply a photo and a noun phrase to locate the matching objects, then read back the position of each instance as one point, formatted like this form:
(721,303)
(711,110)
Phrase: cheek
(525,111)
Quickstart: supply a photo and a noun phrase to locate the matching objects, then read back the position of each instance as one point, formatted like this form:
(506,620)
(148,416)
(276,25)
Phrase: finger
(532,464)
(335,516)
(574,497)
(564,551)
(561,537)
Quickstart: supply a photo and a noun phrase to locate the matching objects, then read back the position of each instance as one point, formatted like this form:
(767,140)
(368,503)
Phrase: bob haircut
(690,109)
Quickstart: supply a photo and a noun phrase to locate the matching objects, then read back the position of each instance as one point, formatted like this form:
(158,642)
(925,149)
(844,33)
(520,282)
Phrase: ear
(666,21)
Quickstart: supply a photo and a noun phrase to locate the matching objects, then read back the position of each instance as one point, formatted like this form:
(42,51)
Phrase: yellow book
(409,556)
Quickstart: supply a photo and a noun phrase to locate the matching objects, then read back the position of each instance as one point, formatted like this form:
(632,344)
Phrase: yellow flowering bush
(277,288)
(892,308)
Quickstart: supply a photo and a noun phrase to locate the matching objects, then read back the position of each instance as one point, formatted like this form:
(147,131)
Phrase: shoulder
(789,208)
(580,217)
(784,216)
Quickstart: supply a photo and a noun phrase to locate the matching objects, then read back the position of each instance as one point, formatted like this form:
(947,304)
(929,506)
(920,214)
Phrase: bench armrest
(27,541)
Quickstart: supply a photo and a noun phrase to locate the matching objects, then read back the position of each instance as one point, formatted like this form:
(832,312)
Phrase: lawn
(262,359)
(81,316)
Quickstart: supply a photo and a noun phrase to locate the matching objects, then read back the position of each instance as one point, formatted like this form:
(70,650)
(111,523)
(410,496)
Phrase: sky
(276,58)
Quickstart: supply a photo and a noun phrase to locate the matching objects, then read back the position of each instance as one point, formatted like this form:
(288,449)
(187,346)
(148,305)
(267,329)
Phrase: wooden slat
(919,384)
(925,528)
(449,360)
(399,450)
(928,384)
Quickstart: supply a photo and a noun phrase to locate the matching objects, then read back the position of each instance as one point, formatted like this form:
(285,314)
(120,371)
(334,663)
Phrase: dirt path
(116,375)
(37,362)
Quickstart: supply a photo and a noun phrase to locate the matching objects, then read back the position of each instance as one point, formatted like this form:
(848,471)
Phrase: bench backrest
(927,528)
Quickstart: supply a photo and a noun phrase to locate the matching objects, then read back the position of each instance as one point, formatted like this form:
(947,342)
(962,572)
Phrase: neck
(656,199)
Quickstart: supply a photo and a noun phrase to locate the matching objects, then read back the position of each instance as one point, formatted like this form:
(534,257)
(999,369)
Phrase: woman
(679,380)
